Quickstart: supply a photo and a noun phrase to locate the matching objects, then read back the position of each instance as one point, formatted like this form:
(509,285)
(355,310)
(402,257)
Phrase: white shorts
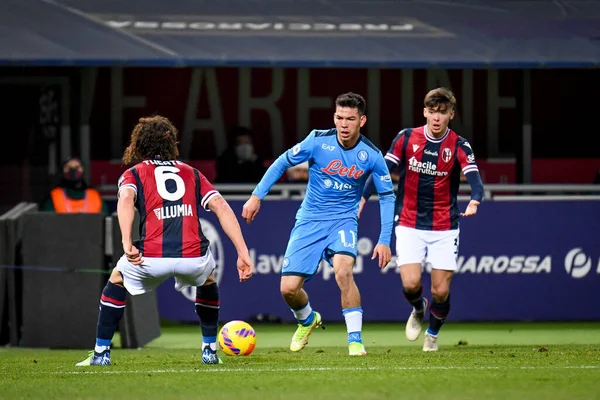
(417,246)
(139,279)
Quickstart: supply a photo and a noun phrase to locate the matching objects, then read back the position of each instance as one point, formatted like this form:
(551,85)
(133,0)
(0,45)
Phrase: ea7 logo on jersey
(327,147)
(335,167)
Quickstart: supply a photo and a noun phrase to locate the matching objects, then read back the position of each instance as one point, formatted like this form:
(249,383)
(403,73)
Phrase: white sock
(100,349)
(353,318)
(303,313)
(213,345)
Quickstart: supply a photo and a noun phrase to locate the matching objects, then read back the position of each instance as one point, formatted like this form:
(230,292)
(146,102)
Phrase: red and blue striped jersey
(429,177)
(168,195)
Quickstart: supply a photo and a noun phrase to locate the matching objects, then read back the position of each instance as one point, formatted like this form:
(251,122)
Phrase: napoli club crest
(362,156)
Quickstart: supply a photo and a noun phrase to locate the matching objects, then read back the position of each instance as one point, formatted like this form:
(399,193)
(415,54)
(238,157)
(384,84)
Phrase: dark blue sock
(112,307)
(415,299)
(207,308)
(437,315)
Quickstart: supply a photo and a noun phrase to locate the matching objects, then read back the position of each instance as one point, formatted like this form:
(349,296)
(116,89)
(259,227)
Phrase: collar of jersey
(355,144)
(431,138)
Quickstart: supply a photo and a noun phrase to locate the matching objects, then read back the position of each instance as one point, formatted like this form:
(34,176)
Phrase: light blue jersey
(336,179)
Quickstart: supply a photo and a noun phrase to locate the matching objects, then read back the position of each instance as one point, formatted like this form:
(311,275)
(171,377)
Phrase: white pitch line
(308,369)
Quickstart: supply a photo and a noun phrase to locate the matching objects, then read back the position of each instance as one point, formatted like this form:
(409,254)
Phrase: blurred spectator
(72,195)
(239,163)
(298,173)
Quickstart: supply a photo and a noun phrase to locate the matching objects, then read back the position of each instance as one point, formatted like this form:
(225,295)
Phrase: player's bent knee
(290,285)
(116,278)
(411,283)
(342,267)
(210,280)
(411,277)
(440,292)
(343,275)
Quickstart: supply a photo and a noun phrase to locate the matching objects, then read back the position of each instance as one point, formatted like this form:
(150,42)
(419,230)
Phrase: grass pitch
(475,361)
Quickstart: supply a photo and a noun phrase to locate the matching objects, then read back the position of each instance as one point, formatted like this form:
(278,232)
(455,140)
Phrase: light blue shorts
(311,241)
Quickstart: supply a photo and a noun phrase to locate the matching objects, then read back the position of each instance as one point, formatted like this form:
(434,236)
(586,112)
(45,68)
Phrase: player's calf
(112,307)
(415,320)
(207,308)
(438,312)
(353,312)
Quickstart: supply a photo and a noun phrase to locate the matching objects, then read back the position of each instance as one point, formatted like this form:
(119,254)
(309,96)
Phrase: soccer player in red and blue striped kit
(430,160)
(167,194)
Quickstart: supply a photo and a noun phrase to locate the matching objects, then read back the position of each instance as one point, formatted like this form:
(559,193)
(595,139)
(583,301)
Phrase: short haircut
(440,96)
(352,100)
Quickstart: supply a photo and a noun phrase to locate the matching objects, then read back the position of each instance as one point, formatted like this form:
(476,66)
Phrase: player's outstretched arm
(126,215)
(231,227)
(294,156)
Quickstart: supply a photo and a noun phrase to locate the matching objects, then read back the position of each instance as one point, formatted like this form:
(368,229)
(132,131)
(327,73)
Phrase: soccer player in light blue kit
(340,160)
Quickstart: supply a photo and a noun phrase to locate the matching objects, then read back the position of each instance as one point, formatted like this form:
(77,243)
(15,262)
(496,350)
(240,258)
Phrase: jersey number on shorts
(343,238)
(162,175)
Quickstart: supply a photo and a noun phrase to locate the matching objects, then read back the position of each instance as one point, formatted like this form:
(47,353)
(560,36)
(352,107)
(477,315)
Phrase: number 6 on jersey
(163,174)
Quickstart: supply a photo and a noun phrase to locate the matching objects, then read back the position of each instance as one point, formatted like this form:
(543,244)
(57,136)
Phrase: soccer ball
(237,338)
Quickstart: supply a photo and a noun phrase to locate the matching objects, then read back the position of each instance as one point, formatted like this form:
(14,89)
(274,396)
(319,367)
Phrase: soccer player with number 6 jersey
(430,159)
(167,194)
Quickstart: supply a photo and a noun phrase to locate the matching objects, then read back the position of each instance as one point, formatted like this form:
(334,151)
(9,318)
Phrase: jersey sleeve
(207,191)
(466,157)
(381,177)
(127,180)
(302,151)
(394,154)
(385,189)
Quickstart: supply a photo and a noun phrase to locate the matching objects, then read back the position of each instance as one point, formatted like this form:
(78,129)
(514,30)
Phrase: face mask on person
(244,151)
(73,174)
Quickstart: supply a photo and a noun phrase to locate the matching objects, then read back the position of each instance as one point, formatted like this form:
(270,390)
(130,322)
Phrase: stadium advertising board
(517,261)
